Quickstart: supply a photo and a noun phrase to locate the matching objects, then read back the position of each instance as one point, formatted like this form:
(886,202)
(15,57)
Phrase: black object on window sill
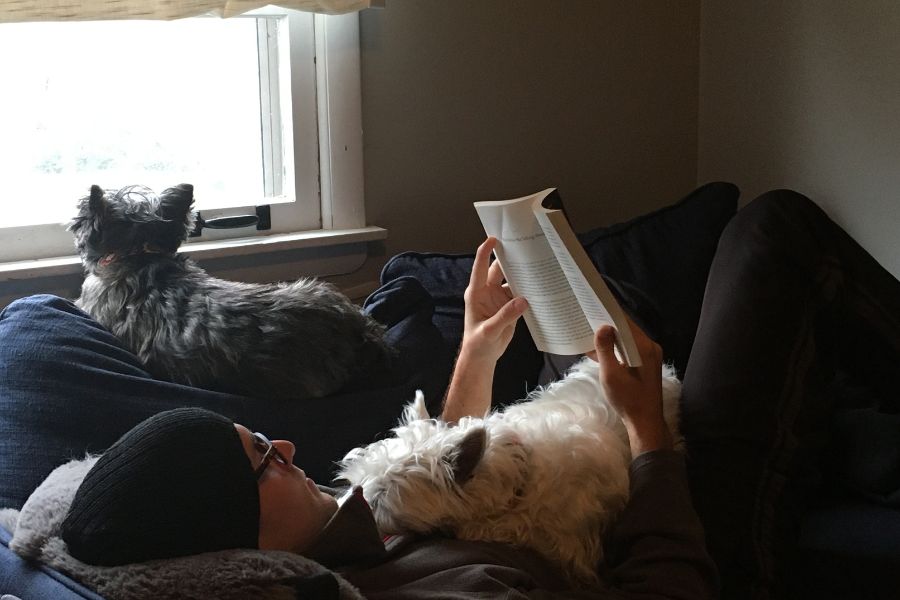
(262,219)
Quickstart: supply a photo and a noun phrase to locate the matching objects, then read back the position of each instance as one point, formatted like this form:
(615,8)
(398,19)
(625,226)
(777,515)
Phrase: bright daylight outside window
(205,101)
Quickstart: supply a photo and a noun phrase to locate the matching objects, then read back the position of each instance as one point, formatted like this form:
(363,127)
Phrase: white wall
(805,94)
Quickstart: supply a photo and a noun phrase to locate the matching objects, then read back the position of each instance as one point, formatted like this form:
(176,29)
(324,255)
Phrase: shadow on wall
(65,286)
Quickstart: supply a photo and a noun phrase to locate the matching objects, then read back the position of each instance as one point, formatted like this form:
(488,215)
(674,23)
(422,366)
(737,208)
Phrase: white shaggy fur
(549,473)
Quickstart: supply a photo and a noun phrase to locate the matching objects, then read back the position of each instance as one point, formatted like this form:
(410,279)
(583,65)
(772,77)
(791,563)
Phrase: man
(790,298)
(188,480)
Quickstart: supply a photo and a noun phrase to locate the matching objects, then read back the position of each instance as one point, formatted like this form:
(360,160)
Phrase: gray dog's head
(113,225)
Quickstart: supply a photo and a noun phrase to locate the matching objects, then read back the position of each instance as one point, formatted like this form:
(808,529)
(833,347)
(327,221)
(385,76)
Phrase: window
(242,108)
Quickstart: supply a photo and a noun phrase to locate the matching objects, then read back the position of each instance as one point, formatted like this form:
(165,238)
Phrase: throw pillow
(658,264)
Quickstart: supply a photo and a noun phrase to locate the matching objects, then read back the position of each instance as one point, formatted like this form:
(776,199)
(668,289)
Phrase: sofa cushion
(658,262)
(27,579)
(67,387)
(864,455)
(667,254)
(445,277)
(847,549)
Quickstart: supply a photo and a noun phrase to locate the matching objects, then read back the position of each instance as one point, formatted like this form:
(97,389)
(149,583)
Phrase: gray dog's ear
(96,201)
(468,454)
(175,202)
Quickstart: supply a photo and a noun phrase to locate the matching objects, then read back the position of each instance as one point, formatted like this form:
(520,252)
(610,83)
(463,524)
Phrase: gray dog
(291,340)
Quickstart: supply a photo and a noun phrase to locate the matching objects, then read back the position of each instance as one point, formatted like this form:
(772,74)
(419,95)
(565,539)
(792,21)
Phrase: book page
(554,316)
(594,296)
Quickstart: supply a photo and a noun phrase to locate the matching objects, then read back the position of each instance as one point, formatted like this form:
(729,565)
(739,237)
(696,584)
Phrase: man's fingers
(480,266)
(506,316)
(605,347)
(495,274)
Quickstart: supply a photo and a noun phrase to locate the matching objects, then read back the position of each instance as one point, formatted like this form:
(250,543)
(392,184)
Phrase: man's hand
(635,392)
(491,311)
(491,315)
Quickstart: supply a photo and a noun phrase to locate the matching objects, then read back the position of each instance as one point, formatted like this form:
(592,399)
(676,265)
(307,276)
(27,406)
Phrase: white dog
(549,473)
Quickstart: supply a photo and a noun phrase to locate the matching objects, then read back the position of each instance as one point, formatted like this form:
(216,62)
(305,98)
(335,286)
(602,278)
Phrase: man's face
(292,510)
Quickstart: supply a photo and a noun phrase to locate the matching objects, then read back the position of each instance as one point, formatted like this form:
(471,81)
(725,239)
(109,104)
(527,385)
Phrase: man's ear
(468,454)
(175,202)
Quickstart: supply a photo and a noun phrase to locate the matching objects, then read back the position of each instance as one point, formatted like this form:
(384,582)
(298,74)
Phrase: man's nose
(286,448)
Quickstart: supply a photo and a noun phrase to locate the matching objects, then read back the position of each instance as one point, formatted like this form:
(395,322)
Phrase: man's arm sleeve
(656,549)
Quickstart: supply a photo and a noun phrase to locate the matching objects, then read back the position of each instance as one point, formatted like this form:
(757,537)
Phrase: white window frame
(337,187)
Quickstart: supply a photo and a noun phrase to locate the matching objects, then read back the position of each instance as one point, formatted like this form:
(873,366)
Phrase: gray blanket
(230,574)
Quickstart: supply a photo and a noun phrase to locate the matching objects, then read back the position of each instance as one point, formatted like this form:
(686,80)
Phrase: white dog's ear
(466,456)
(415,410)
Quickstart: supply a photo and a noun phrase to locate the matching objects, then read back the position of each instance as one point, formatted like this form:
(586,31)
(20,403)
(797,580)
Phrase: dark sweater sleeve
(657,549)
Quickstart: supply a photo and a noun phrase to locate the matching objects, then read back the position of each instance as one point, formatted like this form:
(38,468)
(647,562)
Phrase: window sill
(69,265)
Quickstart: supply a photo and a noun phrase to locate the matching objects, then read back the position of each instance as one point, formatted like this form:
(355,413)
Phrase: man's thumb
(605,344)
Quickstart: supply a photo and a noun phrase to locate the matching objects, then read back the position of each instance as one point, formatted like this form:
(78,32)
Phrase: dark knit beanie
(177,484)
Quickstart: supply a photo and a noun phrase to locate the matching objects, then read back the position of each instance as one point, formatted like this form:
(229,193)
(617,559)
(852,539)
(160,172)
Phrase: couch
(657,265)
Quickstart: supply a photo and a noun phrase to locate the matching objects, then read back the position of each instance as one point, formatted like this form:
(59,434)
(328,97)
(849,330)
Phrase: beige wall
(470,100)
(467,100)
(805,94)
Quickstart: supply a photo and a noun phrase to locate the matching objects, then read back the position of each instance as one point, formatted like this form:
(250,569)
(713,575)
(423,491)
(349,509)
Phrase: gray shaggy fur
(286,340)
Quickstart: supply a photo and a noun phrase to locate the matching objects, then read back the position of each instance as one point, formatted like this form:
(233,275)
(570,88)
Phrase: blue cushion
(667,254)
(658,263)
(67,386)
(849,549)
(864,455)
(445,277)
(29,580)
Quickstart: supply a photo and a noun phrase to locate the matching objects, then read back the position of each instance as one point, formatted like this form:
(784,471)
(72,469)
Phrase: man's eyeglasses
(268,451)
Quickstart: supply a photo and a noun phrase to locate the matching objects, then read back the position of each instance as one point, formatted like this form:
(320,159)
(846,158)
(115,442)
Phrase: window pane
(125,102)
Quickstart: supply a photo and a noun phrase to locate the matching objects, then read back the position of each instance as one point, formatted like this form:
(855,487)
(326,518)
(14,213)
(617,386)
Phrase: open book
(543,261)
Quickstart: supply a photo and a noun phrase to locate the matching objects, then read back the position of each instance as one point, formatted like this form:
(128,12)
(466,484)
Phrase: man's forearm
(470,388)
(646,437)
